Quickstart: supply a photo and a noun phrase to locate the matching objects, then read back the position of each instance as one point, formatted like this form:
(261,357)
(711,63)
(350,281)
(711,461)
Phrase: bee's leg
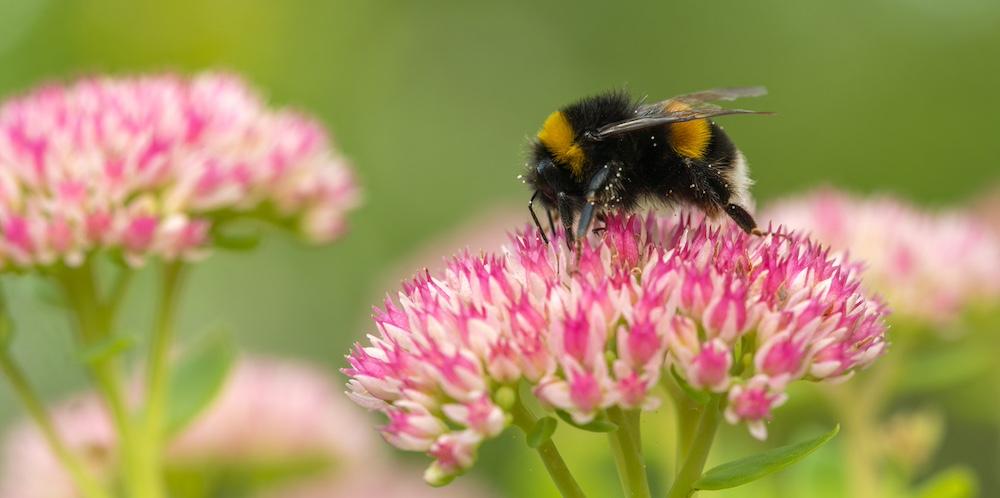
(587,214)
(565,206)
(552,224)
(534,217)
(743,219)
(547,170)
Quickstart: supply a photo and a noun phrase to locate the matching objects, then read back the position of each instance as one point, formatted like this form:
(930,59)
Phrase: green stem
(107,379)
(859,405)
(697,455)
(554,464)
(633,419)
(859,410)
(861,444)
(87,483)
(95,321)
(628,454)
(158,375)
(687,412)
(118,291)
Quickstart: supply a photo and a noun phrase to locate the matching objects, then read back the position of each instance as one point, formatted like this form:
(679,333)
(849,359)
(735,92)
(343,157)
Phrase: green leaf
(955,482)
(701,397)
(196,381)
(541,431)
(597,425)
(749,469)
(107,348)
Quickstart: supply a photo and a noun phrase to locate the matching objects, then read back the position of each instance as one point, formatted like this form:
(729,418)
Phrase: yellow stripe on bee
(689,138)
(558,137)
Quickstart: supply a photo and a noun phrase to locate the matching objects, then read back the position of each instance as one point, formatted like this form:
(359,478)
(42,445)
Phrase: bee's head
(557,159)
(548,176)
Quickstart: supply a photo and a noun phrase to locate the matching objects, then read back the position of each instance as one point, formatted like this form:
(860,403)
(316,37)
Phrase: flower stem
(862,478)
(628,454)
(860,405)
(554,464)
(687,412)
(859,412)
(88,485)
(158,376)
(95,321)
(697,455)
(118,291)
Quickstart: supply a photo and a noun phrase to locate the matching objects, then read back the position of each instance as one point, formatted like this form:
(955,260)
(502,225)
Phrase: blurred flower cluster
(723,312)
(151,165)
(270,412)
(157,168)
(930,266)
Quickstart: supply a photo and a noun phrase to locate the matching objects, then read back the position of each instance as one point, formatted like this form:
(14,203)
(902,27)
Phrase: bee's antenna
(534,217)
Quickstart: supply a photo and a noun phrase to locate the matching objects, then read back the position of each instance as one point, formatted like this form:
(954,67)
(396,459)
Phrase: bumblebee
(609,152)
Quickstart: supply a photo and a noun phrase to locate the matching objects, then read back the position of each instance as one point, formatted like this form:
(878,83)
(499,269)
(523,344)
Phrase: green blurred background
(433,102)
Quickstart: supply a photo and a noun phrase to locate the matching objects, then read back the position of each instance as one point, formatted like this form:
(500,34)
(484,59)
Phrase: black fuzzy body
(645,168)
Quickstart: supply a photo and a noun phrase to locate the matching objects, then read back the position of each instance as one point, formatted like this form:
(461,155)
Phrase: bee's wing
(686,107)
(731,93)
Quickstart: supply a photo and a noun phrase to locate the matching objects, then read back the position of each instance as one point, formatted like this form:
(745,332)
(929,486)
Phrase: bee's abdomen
(720,152)
(689,139)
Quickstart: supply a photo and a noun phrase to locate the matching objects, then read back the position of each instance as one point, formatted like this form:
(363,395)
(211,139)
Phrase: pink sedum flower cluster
(727,313)
(930,266)
(151,165)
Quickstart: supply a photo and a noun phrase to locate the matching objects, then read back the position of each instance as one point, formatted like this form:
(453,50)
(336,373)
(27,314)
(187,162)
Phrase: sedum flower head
(152,165)
(724,312)
(929,265)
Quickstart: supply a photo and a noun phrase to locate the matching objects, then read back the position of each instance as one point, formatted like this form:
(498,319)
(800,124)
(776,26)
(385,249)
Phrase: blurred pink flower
(482,230)
(651,292)
(30,470)
(274,410)
(151,165)
(929,265)
(269,410)
(987,209)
